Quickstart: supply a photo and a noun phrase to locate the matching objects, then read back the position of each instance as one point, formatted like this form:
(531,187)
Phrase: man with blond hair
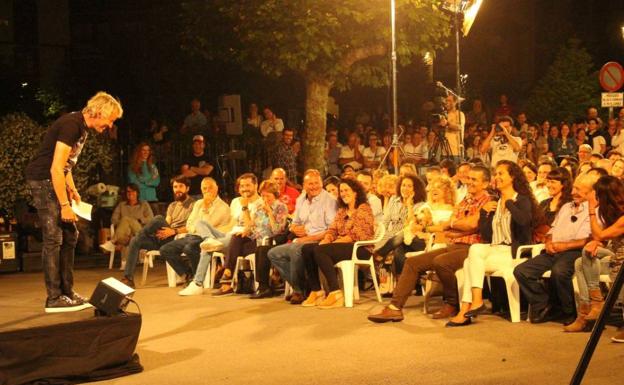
(49,177)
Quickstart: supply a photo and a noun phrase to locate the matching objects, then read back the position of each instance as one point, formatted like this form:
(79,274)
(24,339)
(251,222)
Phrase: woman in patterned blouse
(268,220)
(354,222)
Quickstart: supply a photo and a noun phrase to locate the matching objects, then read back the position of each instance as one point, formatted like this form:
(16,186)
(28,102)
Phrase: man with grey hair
(314,212)
(570,231)
(584,153)
(212,210)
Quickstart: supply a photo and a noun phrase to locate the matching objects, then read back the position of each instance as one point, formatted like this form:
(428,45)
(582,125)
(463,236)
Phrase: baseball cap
(198,137)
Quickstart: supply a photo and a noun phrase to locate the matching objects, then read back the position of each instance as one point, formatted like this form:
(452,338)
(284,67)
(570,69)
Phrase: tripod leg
(598,328)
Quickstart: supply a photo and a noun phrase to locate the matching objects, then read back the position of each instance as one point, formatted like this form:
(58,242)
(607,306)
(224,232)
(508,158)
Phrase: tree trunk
(317,94)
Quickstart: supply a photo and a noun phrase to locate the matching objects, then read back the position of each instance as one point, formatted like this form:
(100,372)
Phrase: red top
(289,198)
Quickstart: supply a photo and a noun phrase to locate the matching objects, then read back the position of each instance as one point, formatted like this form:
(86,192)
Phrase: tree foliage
(19,138)
(345,42)
(568,88)
(330,44)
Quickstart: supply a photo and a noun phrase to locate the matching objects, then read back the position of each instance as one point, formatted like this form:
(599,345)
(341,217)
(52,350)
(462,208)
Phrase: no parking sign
(611,76)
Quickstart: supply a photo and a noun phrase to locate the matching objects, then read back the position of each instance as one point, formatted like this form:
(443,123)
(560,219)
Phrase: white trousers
(483,258)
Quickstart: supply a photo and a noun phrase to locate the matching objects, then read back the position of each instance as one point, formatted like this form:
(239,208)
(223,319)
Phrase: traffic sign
(612,99)
(611,76)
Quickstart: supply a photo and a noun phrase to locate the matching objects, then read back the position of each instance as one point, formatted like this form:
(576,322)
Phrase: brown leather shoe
(296,299)
(386,315)
(446,311)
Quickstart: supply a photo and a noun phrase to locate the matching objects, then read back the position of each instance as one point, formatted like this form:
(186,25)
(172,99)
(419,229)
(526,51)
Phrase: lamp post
(393,58)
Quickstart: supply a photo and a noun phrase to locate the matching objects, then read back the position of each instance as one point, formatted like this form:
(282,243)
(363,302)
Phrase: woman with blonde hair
(387,187)
(438,209)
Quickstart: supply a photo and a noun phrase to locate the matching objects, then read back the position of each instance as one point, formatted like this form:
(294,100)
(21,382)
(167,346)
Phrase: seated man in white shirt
(351,154)
(373,154)
(539,187)
(366,180)
(569,233)
(416,150)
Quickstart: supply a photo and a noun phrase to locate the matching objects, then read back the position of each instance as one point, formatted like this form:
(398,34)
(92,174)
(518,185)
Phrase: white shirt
(453,137)
(617,141)
(236,210)
(460,194)
(505,150)
(268,126)
(375,204)
(564,229)
(347,152)
(597,143)
(418,152)
(368,154)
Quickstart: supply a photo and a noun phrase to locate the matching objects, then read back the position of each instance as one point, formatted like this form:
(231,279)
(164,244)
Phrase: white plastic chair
(347,268)
(212,270)
(148,261)
(513,289)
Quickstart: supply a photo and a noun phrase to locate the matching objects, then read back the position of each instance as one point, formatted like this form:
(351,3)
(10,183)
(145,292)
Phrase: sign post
(611,79)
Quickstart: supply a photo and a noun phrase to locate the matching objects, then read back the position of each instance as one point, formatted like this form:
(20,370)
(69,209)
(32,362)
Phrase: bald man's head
(278,176)
(583,186)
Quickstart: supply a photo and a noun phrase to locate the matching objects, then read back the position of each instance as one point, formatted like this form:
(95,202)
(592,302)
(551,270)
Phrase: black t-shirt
(70,129)
(196,161)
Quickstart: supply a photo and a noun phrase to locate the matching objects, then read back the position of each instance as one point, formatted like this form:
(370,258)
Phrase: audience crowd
(468,193)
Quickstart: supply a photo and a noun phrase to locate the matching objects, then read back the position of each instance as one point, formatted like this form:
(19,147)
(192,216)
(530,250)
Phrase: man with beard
(161,230)
(210,210)
(50,180)
(242,210)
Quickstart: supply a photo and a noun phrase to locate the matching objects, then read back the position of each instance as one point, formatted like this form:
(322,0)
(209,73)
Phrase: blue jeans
(588,270)
(145,239)
(59,240)
(206,230)
(288,261)
(172,253)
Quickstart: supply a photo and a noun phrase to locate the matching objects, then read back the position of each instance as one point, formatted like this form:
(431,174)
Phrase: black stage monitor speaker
(111,297)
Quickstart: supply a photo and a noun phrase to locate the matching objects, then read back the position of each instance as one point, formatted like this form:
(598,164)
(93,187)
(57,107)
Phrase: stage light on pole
(470,14)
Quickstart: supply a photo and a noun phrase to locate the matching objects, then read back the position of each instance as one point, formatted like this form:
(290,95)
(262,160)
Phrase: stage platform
(234,340)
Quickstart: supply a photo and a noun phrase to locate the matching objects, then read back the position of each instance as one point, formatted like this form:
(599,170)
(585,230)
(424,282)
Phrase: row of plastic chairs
(348,268)
(513,289)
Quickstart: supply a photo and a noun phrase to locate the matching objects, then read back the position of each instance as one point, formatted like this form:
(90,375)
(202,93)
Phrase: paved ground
(234,340)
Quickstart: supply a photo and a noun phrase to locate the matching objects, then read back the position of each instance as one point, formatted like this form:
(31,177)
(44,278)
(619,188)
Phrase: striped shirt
(501,224)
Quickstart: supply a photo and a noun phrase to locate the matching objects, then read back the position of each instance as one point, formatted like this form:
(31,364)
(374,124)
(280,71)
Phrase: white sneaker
(108,246)
(192,289)
(211,244)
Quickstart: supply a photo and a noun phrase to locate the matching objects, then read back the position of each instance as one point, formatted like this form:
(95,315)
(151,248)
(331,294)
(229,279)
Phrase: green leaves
(312,36)
(19,139)
(568,88)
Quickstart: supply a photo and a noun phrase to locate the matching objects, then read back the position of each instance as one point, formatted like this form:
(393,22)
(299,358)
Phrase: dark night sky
(130,48)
